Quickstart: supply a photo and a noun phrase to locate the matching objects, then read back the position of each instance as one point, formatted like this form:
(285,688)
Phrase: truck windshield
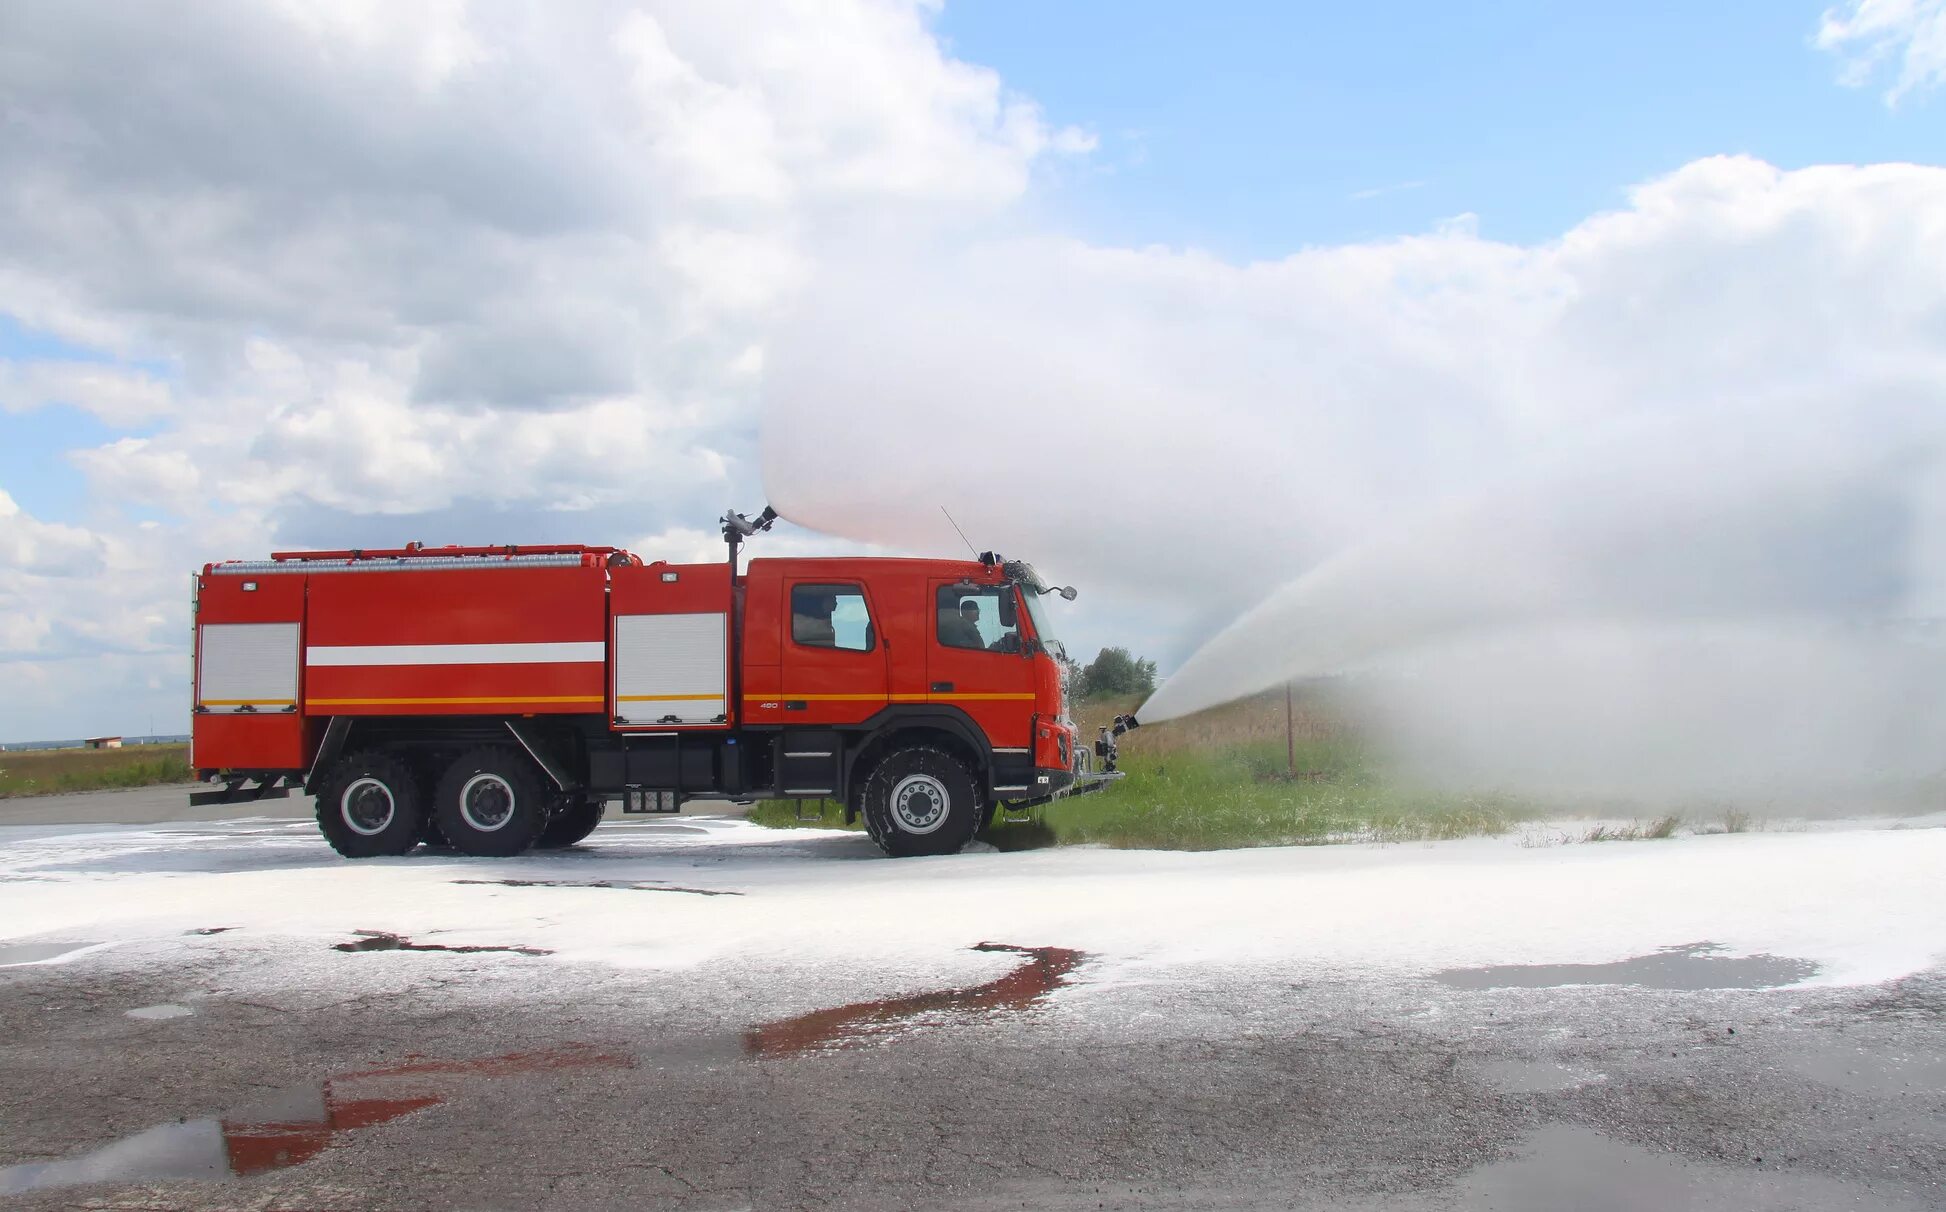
(1043,629)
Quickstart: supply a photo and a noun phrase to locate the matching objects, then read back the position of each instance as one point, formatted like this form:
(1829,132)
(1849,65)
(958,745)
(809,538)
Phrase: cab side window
(831,616)
(978,617)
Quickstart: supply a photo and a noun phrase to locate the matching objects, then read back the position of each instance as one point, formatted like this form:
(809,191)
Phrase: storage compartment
(671,669)
(668,762)
(247,668)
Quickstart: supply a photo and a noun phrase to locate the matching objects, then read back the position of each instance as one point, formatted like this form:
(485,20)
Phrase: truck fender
(879,729)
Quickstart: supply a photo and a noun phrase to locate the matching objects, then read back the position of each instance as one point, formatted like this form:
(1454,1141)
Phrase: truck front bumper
(1053,783)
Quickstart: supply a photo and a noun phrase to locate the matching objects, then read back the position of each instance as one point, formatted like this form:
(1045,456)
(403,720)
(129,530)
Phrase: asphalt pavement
(140,806)
(230,1072)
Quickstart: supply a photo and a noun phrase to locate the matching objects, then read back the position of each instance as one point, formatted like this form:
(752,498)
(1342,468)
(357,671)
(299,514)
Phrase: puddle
(165,1011)
(1694,966)
(624,885)
(1537,1077)
(15,954)
(1046,970)
(308,1122)
(379,940)
(1567,1166)
(1870,1071)
(286,1129)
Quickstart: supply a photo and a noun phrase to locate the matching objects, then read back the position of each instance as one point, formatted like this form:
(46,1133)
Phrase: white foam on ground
(1861,900)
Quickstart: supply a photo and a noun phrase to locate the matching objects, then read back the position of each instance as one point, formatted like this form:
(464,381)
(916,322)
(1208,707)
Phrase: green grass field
(1222,779)
(53,771)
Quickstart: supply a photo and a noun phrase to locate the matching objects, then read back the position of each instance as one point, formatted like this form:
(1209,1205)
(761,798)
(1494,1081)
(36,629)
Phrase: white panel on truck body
(671,669)
(247,666)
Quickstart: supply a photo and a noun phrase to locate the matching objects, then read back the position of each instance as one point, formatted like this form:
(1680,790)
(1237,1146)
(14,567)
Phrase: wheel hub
(919,803)
(367,807)
(487,802)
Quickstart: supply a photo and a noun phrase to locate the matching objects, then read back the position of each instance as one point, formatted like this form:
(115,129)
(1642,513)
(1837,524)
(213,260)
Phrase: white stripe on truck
(592,652)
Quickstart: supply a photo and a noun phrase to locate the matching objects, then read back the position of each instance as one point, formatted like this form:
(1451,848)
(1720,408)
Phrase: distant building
(103,742)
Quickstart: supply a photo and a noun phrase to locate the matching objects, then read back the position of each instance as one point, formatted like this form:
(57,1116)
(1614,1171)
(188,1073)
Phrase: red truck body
(565,677)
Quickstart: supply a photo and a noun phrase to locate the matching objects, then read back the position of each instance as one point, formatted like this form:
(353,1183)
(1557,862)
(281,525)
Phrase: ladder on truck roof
(418,557)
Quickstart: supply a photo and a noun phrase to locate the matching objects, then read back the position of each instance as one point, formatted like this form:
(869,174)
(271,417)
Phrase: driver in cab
(961,628)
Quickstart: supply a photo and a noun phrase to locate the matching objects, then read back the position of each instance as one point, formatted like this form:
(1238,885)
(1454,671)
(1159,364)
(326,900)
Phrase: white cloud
(114,394)
(437,272)
(28,545)
(1908,36)
(1109,402)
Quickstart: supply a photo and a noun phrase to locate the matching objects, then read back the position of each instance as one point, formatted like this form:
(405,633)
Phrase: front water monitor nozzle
(1107,747)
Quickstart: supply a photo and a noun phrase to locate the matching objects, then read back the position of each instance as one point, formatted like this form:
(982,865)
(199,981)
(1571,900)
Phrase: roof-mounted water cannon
(737,528)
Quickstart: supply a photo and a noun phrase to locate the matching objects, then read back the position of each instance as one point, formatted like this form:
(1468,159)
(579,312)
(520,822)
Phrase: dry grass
(53,771)
(1657,829)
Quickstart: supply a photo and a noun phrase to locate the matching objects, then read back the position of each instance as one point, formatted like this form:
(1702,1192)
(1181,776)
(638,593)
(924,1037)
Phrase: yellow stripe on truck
(669,698)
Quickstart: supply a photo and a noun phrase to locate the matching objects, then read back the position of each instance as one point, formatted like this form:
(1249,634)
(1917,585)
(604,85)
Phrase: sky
(278,275)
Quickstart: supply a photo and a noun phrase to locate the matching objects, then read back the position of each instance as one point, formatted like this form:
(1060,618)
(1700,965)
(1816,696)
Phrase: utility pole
(1290,736)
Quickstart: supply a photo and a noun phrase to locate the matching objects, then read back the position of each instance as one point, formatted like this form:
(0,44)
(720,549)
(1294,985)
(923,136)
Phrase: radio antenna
(962,534)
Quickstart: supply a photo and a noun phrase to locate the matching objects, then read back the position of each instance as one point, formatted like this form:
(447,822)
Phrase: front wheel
(921,801)
(490,803)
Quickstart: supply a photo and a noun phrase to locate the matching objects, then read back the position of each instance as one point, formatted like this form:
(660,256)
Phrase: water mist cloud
(1717,405)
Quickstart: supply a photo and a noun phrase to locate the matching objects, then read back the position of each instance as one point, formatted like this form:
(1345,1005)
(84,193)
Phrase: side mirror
(1009,608)
(1068,592)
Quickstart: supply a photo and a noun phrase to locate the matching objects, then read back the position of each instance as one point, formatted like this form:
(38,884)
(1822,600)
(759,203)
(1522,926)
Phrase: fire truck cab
(496,699)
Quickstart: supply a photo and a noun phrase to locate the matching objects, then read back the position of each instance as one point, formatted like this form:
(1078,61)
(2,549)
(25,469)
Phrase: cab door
(834,657)
(976,660)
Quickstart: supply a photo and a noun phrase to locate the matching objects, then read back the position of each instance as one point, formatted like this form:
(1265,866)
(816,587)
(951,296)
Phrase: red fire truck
(498,698)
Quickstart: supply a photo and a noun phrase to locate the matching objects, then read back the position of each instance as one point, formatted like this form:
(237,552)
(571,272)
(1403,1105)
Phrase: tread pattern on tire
(530,803)
(408,805)
(964,809)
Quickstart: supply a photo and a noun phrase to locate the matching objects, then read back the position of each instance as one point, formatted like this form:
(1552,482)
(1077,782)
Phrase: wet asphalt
(1684,1085)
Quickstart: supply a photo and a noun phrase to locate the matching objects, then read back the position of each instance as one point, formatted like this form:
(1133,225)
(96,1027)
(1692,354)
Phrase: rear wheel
(370,805)
(570,824)
(921,801)
(490,803)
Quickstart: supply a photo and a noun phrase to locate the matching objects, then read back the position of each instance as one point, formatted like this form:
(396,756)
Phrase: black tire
(921,801)
(871,823)
(491,803)
(370,805)
(571,823)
